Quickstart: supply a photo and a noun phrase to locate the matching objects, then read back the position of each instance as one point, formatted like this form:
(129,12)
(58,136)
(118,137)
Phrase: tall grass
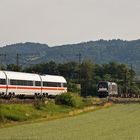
(26,112)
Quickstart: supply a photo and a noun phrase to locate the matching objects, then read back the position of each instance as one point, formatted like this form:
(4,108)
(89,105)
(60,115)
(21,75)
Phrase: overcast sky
(56,22)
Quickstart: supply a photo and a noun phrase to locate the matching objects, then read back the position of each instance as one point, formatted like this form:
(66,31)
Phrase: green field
(119,122)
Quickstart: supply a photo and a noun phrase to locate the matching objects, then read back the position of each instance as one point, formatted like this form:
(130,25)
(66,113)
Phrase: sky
(57,22)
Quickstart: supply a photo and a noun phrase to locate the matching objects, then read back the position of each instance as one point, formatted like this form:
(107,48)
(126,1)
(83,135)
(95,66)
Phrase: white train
(20,83)
(106,88)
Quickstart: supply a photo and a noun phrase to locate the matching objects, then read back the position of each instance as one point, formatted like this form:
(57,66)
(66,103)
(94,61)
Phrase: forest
(100,52)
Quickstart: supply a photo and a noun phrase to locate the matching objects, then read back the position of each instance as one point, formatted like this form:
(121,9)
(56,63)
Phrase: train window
(21,82)
(2,82)
(37,83)
(13,82)
(58,84)
(102,85)
(29,83)
(51,84)
(64,84)
(45,84)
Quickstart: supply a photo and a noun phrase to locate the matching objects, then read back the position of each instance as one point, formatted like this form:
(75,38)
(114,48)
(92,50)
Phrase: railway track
(116,100)
(23,100)
(17,101)
(123,100)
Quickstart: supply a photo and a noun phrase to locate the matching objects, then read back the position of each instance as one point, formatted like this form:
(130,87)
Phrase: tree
(13,67)
(87,77)
(90,75)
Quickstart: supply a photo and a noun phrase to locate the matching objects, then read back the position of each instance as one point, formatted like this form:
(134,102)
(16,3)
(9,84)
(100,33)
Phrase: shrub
(135,89)
(69,99)
(39,103)
(72,87)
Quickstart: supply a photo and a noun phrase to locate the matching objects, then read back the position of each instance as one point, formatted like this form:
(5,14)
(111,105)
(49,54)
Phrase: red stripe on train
(31,88)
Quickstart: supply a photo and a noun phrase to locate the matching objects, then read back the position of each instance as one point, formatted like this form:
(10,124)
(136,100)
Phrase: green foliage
(39,103)
(72,87)
(2,67)
(13,67)
(107,77)
(45,68)
(16,112)
(134,89)
(26,112)
(69,99)
(69,70)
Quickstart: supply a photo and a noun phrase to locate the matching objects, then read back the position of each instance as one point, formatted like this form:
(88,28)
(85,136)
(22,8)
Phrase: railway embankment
(28,111)
(124,100)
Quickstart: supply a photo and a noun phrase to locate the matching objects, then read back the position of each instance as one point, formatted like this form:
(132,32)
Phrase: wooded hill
(101,51)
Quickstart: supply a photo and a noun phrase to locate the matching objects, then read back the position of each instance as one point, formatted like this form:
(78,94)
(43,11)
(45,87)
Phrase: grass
(120,122)
(27,112)
(42,109)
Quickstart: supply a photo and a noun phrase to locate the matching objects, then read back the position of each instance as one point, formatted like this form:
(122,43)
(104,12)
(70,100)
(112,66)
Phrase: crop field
(119,122)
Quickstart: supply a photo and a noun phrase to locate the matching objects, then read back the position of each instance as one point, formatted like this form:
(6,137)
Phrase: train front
(103,89)
(3,86)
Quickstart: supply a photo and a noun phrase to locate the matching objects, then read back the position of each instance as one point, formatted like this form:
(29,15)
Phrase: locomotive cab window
(103,85)
(2,82)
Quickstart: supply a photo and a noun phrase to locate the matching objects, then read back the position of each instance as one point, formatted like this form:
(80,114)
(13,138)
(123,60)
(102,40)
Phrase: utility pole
(79,55)
(17,61)
(131,78)
(125,82)
(79,76)
(18,58)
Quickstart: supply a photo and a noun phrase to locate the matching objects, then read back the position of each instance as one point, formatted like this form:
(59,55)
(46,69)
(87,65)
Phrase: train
(106,88)
(29,84)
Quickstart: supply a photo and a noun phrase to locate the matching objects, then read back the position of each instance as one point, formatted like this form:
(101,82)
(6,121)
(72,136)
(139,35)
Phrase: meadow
(119,122)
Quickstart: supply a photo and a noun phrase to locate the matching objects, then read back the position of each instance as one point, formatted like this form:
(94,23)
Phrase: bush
(72,87)
(39,103)
(69,99)
(135,89)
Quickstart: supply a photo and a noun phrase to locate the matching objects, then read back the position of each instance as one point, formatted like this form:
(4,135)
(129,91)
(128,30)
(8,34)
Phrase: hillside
(100,51)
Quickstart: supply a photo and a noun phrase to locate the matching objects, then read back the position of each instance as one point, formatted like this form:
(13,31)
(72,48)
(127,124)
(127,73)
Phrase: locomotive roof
(113,83)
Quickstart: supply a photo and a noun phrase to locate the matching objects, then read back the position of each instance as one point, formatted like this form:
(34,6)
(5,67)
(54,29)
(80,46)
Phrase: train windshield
(103,85)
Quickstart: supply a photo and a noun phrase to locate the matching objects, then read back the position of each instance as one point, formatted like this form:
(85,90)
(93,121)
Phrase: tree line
(85,76)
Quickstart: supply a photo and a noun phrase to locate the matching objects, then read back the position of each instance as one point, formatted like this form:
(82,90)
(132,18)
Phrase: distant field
(120,122)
